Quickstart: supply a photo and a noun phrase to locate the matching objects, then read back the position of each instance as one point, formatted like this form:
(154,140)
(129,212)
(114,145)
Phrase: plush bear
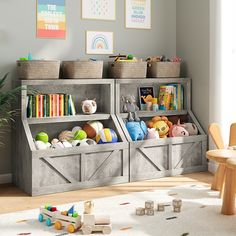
(137,130)
(191,128)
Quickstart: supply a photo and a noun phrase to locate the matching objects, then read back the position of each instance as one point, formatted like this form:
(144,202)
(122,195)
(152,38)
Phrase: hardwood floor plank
(13,199)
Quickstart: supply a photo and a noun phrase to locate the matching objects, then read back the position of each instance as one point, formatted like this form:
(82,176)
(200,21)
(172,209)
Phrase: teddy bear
(161,124)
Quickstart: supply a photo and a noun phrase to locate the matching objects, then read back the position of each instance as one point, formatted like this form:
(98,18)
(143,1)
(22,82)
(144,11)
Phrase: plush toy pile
(159,127)
(92,133)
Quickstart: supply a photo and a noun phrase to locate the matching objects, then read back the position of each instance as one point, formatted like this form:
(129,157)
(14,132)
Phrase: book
(165,97)
(72,106)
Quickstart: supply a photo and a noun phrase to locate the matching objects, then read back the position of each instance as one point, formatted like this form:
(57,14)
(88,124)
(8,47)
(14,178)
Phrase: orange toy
(161,124)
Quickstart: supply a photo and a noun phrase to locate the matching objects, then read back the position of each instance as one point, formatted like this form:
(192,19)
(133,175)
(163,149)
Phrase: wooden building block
(149,212)
(160,207)
(140,211)
(149,204)
(177,203)
(88,207)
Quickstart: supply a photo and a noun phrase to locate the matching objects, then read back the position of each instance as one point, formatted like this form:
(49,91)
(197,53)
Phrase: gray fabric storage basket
(82,69)
(122,69)
(163,69)
(38,69)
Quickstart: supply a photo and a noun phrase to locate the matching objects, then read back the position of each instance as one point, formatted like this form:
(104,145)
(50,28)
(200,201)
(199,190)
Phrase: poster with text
(138,14)
(51,19)
(99,42)
(99,9)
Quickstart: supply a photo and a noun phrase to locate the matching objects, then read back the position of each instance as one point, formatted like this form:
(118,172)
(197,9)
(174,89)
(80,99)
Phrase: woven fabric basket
(132,70)
(163,69)
(38,69)
(82,69)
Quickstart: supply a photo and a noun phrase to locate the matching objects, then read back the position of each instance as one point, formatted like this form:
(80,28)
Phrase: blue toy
(106,136)
(71,211)
(137,130)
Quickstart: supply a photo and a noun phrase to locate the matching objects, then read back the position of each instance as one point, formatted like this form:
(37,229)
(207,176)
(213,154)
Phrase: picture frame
(54,27)
(138,14)
(98,10)
(144,91)
(99,43)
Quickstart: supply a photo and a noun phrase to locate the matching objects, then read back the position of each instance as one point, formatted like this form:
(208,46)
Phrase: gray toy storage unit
(56,170)
(150,159)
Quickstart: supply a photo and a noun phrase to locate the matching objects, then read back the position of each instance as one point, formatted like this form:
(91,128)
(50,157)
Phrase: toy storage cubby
(57,170)
(151,159)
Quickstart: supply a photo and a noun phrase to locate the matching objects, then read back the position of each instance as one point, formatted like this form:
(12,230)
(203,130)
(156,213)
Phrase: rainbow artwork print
(51,19)
(99,42)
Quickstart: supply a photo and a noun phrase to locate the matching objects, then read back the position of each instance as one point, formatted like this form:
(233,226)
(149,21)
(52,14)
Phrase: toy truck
(71,223)
(48,214)
(94,223)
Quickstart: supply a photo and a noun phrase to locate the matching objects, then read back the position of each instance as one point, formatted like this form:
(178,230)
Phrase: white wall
(193,45)
(18,38)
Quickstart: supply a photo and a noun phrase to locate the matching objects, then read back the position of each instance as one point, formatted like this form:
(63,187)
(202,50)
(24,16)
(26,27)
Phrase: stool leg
(228,206)
(218,178)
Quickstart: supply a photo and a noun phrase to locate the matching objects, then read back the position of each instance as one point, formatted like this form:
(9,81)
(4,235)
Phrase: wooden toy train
(72,221)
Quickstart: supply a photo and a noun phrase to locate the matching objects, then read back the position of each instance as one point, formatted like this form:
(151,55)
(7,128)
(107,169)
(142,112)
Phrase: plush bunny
(152,134)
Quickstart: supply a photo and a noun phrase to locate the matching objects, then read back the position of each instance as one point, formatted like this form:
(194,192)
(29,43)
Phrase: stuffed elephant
(130,107)
(137,130)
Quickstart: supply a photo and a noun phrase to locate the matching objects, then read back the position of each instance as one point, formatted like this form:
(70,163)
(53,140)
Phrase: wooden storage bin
(150,159)
(38,69)
(122,69)
(57,170)
(82,69)
(163,69)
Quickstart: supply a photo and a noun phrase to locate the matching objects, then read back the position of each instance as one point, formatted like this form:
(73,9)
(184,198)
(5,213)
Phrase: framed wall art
(99,42)
(138,14)
(99,9)
(51,19)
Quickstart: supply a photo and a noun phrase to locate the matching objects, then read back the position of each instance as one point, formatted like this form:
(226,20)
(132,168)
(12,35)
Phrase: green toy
(130,57)
(80,135)
(42,136)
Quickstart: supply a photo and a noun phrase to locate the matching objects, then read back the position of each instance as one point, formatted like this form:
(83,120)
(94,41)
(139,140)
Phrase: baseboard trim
(6,178)
(212,167)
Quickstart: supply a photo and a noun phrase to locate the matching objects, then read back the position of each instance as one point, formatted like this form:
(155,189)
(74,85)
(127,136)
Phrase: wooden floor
(12,199)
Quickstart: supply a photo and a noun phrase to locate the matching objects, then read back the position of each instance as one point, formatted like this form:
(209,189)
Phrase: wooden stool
(228,207)
(220,156)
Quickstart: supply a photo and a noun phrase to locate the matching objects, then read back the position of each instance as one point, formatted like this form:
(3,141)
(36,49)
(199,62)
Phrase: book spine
(44,106)
(72,106)
(66,105)
(61,105)
(37,106)
(33,106)
(57,104)
(29,106)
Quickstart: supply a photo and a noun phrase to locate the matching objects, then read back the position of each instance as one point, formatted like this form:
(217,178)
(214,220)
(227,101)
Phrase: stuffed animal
(152,134)
(130,107)
(137,130)
(89,106)
(191,128)
(161,124)
(178,131)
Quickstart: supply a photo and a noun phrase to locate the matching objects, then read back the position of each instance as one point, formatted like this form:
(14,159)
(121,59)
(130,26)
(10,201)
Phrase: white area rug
(200,215)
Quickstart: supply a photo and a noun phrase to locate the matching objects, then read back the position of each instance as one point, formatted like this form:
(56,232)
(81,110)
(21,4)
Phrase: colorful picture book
(171,97)
(50,105)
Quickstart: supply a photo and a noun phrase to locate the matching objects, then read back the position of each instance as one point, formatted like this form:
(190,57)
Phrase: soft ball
(40,145)
(42,136)
(66,144)
(58,145)
(66,136)
(106,136)
(76,128)
(80,135)
(84,142)
(92,128)
(54,141)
